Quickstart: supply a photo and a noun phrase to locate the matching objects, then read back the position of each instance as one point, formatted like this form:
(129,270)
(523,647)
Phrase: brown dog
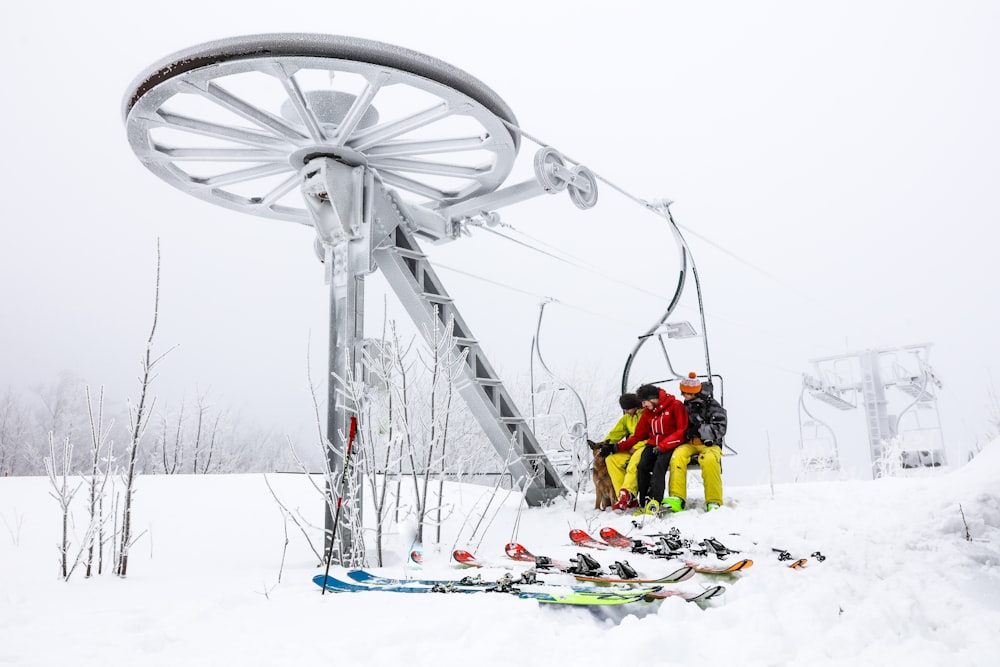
(602,480)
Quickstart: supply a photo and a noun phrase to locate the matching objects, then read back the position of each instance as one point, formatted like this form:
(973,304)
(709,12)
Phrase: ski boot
(652,507)
(625,501)
(671,505)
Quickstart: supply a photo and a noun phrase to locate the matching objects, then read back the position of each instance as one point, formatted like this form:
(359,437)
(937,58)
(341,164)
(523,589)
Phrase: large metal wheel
(234,121)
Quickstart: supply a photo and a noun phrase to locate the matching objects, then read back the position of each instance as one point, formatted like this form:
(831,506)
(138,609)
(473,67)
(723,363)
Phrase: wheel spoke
(224,98)
(205,128)
(215,154)
(358,109)
(427,167)
(298,100)
(368,138)
(243,175)
(405,148)
(277,193)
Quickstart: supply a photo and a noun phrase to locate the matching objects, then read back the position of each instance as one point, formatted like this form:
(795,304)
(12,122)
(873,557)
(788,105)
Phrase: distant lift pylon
(906,418)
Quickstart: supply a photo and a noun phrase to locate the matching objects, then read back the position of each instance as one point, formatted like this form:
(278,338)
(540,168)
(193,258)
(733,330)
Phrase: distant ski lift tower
(372,146)
(909,415)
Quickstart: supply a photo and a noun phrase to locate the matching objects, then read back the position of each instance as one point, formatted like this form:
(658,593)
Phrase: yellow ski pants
(710,460)
(622,468)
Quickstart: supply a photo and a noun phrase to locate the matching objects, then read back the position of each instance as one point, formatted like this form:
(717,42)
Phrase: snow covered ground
(902,584)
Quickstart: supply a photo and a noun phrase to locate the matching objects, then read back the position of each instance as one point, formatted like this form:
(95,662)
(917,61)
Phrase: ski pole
(340,500)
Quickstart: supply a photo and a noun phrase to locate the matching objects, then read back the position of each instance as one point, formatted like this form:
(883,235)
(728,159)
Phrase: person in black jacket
(704,436)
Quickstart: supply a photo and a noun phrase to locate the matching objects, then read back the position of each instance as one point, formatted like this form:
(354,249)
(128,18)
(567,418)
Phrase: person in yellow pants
(707,422)
(622,463)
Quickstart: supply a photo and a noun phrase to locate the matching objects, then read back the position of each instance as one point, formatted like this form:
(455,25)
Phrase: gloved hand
(607,449)
(707,434)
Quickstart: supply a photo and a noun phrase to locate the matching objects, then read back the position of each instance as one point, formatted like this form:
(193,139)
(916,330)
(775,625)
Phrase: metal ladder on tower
(422,294)
(873,420)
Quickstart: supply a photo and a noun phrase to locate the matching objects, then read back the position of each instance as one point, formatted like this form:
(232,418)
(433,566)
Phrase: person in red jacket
(663,423)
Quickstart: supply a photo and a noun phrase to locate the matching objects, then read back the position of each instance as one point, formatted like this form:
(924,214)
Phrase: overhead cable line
(583,267)
(654,207)
(521,291)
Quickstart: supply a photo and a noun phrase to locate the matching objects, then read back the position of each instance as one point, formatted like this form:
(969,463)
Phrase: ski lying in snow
(416,556)
(616,539)
(582,564)
(367,581)
(738,566)
(681,574)
(475,581)
(581,538)
(797,564)
(466,559)
(519,553)
(704,596)
(550,595)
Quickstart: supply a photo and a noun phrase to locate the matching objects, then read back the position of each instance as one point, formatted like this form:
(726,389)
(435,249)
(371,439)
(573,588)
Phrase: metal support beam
(335,194)
(422,294)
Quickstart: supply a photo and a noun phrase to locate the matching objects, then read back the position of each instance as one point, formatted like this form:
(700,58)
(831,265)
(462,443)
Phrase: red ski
(615,539)
(466,559)
(582,564)
(583,539)
(517,552)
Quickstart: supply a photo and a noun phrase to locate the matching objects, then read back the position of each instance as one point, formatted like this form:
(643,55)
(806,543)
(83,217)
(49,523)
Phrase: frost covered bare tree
(101,461)
(409,421)
(138,420)
(444,367)
(331,486)
(57,465)
(376,425)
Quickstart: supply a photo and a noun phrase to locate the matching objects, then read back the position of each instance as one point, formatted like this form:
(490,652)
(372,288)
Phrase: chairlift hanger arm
(536,344)
(685,256)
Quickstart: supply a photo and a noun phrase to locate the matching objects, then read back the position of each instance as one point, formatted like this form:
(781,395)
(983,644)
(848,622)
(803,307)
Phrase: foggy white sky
(848,151)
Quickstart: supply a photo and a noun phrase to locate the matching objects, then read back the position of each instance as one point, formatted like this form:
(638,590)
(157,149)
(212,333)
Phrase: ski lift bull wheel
(233,121)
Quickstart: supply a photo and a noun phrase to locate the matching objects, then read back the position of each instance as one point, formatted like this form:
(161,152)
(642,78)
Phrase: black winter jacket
(706,418)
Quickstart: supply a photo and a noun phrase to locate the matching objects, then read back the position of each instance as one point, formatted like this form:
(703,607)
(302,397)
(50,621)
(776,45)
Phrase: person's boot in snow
(625,501)
(672,504)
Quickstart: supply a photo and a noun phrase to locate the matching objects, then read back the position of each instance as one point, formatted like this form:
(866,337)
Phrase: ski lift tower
(374,147)
(896,389)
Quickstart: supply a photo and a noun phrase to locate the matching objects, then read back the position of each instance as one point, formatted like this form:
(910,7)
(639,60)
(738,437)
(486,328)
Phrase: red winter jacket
(664,427)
